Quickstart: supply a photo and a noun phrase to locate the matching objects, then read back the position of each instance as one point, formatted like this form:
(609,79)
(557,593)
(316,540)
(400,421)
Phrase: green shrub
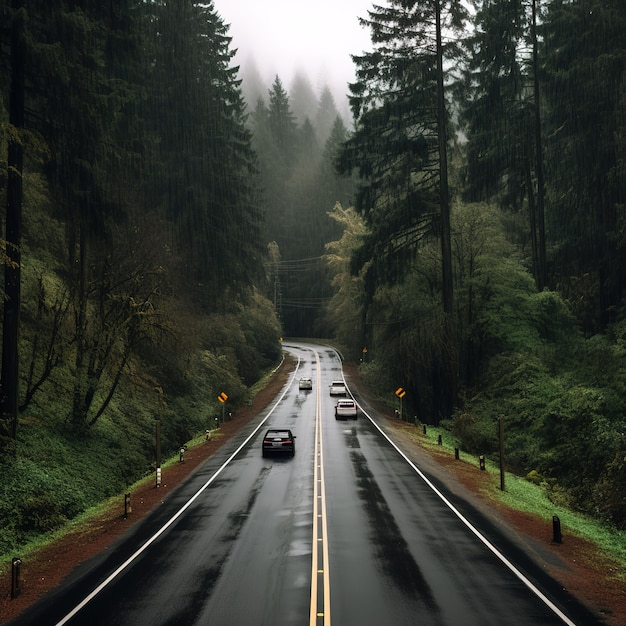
(609,497)
(475,435)
(377,376)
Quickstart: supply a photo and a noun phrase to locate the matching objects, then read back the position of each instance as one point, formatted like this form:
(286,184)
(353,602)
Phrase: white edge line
(474,530)
(174,518)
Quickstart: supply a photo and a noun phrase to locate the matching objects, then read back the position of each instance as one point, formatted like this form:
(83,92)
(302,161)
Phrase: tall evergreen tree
(502,115)
(206,181)
(252,84)
(395,147)
(335,188)
(326,114)
(281,120)
(302,98)
(585,58)
(275,141)
(494,84)
(9,379)
(400,145)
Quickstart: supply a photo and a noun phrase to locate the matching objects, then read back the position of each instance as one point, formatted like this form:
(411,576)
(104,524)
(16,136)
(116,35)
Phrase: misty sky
(285,36)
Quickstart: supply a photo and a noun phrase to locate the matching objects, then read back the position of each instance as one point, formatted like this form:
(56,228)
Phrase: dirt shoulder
(575,563)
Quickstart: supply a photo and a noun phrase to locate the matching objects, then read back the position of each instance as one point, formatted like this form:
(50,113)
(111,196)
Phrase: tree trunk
(532,221)
(541,228)
(80,373)
(446,247)
(10,363)
(444,198)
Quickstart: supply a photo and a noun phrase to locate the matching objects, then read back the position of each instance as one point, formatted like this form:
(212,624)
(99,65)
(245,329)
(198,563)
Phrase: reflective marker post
(15,577)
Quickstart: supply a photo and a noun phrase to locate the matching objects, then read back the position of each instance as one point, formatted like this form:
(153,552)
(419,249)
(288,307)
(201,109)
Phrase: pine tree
(585,64)
(396,147)
(302,98)
(326,114)
(502,115)
(400,145)
(281,121)
(204,181)
(9,380)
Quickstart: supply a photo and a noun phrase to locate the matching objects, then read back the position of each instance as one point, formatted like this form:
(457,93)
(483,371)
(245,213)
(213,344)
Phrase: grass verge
(522,495)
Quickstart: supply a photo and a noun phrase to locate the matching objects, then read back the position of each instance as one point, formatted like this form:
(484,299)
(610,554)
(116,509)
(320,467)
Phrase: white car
(345,409)
(338,388)
(305,383)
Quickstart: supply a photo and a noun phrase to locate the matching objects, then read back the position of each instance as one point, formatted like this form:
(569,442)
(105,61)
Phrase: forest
(168,217)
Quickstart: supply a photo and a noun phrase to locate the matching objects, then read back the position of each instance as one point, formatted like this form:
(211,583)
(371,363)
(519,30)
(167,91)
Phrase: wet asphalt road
(388,550)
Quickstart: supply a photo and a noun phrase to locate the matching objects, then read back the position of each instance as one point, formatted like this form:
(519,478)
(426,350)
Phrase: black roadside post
(16,564)
(557,537)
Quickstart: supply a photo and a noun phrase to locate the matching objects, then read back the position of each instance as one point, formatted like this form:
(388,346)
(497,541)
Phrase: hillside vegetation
(59,469)
(560,394)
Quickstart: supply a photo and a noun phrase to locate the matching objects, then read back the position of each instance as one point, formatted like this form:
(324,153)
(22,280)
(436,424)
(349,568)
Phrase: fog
(285,37)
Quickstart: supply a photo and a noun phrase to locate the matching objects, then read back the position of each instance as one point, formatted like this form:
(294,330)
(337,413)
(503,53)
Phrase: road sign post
(400,393)
(222,398)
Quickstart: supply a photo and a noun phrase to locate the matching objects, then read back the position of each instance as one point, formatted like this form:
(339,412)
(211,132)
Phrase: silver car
(345,409)
(306,384)
(338,388)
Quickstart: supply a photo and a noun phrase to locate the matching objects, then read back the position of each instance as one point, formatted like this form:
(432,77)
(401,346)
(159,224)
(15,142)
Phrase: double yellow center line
(320,581)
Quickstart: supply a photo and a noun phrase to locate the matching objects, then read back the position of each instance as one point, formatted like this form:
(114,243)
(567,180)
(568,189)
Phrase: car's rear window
(283,434)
